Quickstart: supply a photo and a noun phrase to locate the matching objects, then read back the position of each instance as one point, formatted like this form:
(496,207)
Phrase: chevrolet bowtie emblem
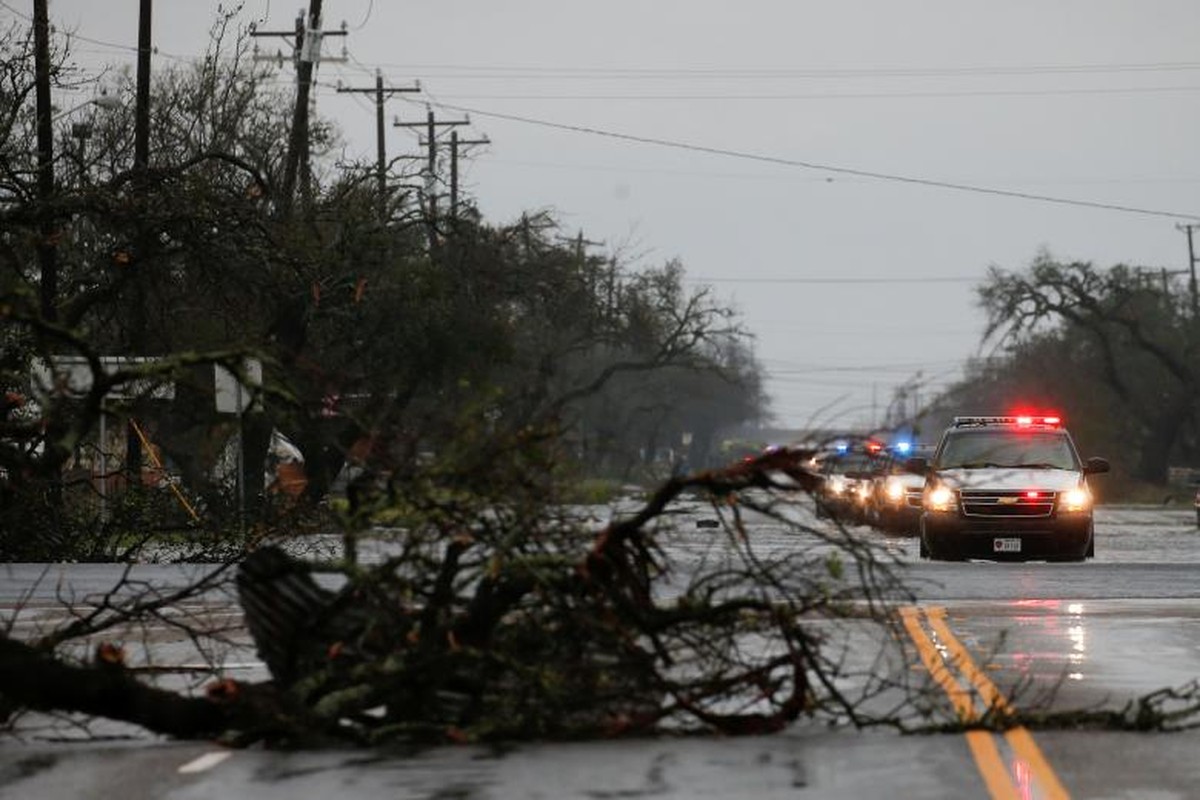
(1008,501)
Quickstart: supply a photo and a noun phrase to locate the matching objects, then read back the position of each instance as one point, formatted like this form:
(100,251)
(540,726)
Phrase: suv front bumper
(953,536)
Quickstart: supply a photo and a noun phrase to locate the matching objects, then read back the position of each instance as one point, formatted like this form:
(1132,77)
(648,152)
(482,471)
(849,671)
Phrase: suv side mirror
(917,465)
(1095,466)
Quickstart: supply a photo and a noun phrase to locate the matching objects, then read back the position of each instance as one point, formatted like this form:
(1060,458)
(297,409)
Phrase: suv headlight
(939,498)
(1077,499)
(894,490)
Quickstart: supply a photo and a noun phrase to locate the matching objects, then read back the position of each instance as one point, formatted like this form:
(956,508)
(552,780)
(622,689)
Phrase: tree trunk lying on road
(36,680)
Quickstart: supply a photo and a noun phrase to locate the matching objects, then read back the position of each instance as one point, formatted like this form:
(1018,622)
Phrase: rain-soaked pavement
(1099,634)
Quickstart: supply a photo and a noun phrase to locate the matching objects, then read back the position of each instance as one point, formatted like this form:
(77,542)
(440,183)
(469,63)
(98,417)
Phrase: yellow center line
(981,743)
(992,696)
(936,664)
(997,777)
(1019,738)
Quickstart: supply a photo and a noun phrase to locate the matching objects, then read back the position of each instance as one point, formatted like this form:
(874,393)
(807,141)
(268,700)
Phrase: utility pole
(307,53)
(308,47)
(141,121)
(1192,268)
(589,277)
(381,95)
(455,143)
(47,254)
(613,269)
(431,124)
(141,164)
(580,243)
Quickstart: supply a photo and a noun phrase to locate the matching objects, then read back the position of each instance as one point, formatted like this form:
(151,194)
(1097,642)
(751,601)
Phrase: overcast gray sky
(853,278)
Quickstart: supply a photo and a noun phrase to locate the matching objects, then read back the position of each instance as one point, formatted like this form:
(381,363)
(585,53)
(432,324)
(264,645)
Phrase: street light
(104,101)
(82,131)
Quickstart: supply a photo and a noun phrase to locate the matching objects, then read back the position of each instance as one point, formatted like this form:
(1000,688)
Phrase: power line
(367,17)
(865,333)
(788,162)
(101,43)
(775,97)
(873,369)
(758,176)
(509,72)
(851,281)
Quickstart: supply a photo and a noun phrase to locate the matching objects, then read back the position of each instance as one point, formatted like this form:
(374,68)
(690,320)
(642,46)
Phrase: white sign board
(235,397)
(73,376)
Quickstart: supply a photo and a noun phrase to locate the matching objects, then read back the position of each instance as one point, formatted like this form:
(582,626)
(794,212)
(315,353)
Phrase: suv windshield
(992,448)
(850,462)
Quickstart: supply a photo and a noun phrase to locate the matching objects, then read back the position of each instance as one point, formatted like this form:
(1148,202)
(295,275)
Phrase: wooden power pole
(141,121)
(46,252)
(1188,229)
(456,143)
(431,124)
(307,54)
(381,96)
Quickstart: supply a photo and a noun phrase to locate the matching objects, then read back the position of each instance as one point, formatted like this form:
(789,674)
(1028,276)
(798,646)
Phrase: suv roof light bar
(1049,421)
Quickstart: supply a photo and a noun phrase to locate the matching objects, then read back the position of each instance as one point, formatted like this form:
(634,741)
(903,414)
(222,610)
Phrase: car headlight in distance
(894,490)
(836,486)
(939,498)
(1077,499)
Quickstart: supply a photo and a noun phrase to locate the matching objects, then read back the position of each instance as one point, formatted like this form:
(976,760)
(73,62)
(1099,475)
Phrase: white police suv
(1007,488)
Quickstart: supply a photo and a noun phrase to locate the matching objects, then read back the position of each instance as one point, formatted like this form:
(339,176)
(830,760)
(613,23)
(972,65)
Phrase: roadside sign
(235,397)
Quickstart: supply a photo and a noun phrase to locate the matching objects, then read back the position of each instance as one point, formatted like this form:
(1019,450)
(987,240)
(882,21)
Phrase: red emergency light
(1029,420)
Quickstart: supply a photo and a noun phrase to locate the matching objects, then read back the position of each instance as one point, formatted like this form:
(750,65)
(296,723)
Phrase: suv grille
(1006,504)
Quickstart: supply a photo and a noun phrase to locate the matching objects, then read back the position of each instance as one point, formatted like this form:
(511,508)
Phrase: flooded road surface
(1060,637)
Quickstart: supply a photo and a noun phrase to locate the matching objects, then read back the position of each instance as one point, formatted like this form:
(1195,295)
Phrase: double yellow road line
(973,695)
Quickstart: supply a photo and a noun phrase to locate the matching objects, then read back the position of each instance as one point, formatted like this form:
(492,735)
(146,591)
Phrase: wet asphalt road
(1101,633)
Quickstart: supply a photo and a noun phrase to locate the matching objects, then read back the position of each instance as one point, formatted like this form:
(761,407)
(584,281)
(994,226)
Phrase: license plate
(1006,545)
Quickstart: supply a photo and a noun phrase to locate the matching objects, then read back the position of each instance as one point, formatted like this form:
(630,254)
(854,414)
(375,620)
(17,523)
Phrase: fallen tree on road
(492,618)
